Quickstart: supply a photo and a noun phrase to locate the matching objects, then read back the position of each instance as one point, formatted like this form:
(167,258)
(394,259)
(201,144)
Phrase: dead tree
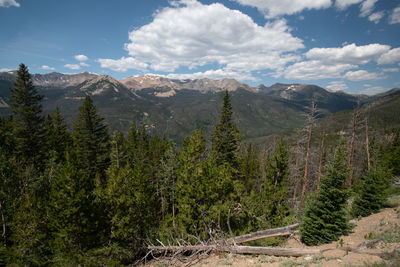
(321,154)
(367,143)
(351,148)
(303,192)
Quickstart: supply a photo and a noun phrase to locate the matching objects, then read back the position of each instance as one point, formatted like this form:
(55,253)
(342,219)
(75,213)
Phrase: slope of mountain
(202,85)
(176,107)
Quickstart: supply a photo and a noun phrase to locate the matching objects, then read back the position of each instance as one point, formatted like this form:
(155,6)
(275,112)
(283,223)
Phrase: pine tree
(372,189)
(325,217)
(226,137)
(250,168)
(27,118)
(75,218)
(91,140)
(134,211)
(57,135)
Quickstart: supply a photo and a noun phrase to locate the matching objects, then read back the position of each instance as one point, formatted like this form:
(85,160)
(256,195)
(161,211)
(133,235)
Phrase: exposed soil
(356,249)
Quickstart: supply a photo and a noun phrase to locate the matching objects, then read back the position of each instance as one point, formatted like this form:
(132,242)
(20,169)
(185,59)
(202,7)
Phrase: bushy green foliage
(226,137)
(324,218)
(372,190)
(91,140)
(27,119)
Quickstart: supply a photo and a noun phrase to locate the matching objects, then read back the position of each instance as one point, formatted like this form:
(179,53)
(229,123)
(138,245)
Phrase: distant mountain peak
(203,85)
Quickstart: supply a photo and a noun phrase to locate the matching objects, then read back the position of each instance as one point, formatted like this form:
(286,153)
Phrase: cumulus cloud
(9,3)
(395,16)
(81,58)
(45,67)
(391,70)
(83,64)
(350,54)
(390,57)
(72,66)
(316,70)
(274,8)
(337,86)
(122,64)
(190,35)
(343,4)
(215,74)
(376,17)
(362,75)
(367,7)
(5,69)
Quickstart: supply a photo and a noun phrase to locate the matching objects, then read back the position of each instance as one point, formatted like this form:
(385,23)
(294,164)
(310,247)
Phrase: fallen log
(283,231)
(271,251)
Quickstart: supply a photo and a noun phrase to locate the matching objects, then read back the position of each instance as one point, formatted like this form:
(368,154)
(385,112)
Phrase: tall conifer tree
(28,121)
(91,140)
(325,217)
(226,137)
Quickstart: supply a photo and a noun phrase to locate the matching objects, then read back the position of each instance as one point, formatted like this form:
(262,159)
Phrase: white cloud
(83,64)
(349,54)
(5,69)
(315,70)
(376,17)
(367,7)
(122,64)
(215,75)
(395,16)
(190,34)
(373,90)
(362,75)
(391,70)
(275,8)
(337,86)
(343,4)
(9,3)
(390,57)
(72,66)
(45,67)
(81,58)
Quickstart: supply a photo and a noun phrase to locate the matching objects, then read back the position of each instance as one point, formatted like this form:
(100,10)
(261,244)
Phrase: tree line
(83,196)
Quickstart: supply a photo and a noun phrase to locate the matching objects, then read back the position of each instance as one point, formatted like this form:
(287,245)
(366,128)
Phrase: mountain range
(174,108)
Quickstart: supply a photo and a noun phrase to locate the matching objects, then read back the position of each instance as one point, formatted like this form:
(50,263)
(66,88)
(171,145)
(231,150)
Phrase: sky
(348,45)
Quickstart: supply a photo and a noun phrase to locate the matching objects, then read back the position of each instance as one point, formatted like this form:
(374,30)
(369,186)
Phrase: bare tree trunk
(3,222)
(321,154)
(303,192)
(367,143)
(296,175)
(351,149)
(273,251)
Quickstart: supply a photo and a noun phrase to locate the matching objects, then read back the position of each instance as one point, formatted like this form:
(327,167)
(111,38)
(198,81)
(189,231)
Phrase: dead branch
(263,234)
(294,252)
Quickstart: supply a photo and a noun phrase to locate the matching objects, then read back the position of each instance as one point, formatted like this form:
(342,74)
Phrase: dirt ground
(352,250)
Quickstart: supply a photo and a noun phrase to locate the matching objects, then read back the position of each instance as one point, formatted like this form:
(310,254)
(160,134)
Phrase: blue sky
(350,45)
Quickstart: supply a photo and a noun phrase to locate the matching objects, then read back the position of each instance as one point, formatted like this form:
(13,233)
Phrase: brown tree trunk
(321,154)
(367,144)
(303,192)
(351,149)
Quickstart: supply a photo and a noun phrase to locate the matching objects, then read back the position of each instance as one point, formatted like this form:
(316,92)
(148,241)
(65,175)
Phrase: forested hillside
(87,197)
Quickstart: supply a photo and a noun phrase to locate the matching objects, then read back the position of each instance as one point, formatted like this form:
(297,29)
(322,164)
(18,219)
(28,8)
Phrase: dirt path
(351,251)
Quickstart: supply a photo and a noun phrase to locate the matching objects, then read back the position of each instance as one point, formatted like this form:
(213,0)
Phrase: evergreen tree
(91,140)
(27,118)
(325,217)
(226,137)
(250,168)
(57,135)
(75,218)
(372,190)
(130,198)
(203,189)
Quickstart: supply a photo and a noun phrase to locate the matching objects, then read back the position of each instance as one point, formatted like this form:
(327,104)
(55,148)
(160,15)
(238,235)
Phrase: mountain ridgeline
(175,108)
